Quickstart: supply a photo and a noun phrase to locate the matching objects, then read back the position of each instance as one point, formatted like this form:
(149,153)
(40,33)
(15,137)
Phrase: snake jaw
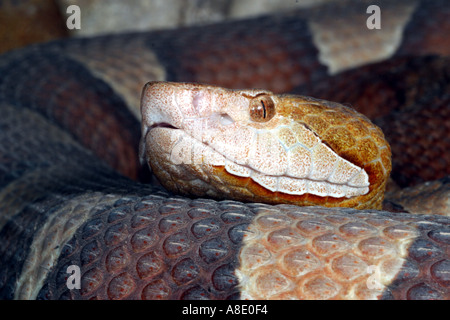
(218,149)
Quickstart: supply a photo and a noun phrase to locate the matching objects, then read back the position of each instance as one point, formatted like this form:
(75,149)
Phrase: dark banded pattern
(66,132)
(158,247)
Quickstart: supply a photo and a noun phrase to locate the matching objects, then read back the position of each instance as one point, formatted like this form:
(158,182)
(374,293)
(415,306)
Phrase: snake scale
(72,190)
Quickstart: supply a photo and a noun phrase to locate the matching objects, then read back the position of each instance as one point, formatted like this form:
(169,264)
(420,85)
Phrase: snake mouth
(183,155)
(163,125)
(145,131)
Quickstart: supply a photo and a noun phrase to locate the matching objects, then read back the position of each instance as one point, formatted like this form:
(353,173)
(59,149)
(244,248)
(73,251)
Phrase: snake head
(253,145)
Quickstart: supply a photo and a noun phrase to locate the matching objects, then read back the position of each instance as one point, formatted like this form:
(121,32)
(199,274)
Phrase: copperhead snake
(69,163)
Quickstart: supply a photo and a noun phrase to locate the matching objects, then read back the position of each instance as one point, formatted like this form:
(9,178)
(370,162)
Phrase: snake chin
(187,165)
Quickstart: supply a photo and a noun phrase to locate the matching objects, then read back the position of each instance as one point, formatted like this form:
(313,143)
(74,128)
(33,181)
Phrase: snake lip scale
(72,135)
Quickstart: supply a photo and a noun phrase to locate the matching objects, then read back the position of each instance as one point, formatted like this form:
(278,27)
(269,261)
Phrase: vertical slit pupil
(264,109)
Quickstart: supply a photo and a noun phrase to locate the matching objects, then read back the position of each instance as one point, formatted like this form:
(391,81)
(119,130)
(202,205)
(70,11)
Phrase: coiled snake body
(69,145)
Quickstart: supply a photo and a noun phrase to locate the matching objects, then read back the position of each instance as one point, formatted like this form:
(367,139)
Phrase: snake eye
(262,108)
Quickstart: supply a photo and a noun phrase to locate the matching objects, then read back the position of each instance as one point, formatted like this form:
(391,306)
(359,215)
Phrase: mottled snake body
(69,135)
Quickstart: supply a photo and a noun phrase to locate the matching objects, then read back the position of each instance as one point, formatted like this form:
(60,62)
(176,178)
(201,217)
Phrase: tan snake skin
(301,151)
(72,191)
